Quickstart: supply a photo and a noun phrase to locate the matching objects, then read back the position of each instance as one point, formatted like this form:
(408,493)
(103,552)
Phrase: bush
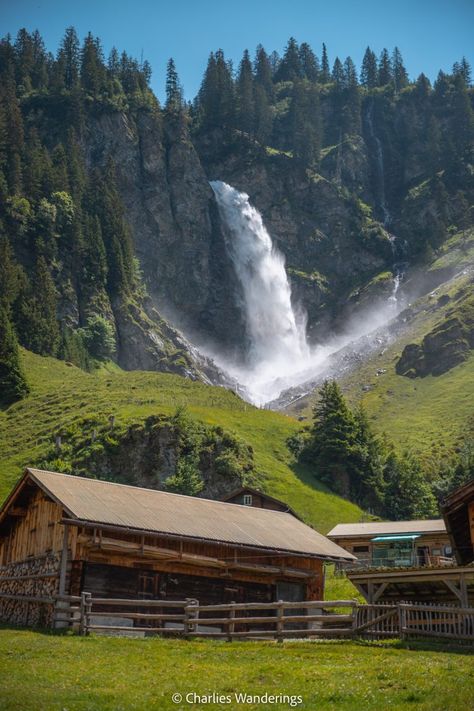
(99,337)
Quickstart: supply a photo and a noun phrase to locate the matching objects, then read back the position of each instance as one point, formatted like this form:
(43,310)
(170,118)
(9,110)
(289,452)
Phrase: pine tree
(384,69)
(24,54)
(369,70)
(68,57)
(10,274)
(305,123)
(174,97)
(245,96)
(263,71)
(463,69)
(92,66)
(113,63)
(94,255)
(337,75)
(367,481)
(463,119)
(400,75)
(35,314)
(263,117)
(309,62)
(39,72)
(104,202)
(325,73)
(289,68)
(13,384)
(13,126)
(350,111)
(333,439)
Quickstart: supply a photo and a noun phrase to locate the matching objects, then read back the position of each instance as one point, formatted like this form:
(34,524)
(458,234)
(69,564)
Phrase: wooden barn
(64,535)
(247,496)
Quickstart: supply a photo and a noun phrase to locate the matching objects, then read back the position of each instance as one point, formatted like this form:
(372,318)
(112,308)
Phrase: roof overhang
(81,523)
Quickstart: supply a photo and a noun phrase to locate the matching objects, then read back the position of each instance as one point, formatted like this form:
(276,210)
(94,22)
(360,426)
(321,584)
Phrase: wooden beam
(63,564)
(380,591)
(454,589)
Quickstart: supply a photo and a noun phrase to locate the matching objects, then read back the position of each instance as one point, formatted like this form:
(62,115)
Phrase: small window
(448,550)
(247,499)
(436,551)
(360,549)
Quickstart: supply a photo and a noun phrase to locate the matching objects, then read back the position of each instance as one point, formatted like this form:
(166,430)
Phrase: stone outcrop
(445,346)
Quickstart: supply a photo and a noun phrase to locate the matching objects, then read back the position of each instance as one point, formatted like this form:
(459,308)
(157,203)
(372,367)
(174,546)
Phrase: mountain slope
(62,396)
(427,414)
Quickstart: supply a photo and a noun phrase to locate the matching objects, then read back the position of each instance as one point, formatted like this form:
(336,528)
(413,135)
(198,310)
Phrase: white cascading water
(279,355)
(276,332)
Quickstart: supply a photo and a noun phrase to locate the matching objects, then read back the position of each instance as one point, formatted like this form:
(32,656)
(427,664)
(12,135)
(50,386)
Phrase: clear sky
(431,34)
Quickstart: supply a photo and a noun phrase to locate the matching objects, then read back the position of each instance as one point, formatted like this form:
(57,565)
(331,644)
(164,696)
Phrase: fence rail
(276,620)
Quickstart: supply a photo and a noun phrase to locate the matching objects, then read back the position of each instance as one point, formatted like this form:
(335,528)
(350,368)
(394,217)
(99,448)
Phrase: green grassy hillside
(62,395)
(428,414)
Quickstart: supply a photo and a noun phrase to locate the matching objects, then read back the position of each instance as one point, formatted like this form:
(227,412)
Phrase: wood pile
(27,588)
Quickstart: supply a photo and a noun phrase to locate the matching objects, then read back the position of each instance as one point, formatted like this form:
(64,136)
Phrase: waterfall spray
(279,356)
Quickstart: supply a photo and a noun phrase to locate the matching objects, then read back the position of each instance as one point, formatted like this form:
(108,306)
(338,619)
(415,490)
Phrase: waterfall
(279,356)
(379,163)
(276,332)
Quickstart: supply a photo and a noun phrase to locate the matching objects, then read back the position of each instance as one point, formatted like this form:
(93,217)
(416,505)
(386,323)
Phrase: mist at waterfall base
(279,355)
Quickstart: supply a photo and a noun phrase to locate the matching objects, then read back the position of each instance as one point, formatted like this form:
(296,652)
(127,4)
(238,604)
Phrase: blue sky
(431,34)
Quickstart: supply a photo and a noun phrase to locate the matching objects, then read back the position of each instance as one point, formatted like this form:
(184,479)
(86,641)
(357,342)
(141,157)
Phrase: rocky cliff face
(149,453)
(329,239)
(171,211)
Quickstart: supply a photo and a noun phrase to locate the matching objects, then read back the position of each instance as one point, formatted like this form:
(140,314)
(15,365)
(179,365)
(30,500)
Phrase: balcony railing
(400,560)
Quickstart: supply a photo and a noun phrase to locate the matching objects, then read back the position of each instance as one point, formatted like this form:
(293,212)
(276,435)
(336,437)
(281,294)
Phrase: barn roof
(380,528)
(256,492)
(131,507)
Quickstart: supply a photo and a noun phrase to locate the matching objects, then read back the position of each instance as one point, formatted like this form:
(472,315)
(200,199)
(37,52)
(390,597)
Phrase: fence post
(231,624)
(82,612)
(279,629)
(402,620)
(85,612)
(191,612)
(355,616)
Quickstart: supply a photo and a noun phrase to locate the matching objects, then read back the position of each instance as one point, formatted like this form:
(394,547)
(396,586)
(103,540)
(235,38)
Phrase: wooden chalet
(247,496)
(395,543)
(437,580)
(65,535)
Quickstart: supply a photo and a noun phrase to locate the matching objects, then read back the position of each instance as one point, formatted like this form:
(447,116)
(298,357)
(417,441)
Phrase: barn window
(247,499)
(360,549)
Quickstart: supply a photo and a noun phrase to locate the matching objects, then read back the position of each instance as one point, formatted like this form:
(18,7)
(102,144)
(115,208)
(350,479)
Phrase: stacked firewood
(26,590)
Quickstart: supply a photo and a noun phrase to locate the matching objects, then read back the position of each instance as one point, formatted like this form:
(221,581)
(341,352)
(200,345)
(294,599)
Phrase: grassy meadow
(63,395)
(41,672)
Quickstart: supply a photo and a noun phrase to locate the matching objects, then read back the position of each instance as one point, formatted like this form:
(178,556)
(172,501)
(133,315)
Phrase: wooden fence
(187,618)
(453,623)
(275,620)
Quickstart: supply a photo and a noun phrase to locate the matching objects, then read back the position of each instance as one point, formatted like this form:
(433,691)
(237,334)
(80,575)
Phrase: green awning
(407,537)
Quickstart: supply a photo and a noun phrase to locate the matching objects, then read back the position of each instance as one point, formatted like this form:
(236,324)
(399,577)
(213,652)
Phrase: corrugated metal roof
(105,502)
(375,528)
